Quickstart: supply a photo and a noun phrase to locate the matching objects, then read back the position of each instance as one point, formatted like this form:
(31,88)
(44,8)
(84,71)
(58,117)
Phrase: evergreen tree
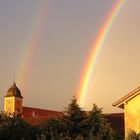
(99,127)
(74,120)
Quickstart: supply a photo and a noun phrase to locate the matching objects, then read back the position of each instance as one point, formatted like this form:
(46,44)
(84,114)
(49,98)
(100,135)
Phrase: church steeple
(13,100)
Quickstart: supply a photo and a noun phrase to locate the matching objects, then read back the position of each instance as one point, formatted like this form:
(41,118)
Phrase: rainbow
(95,49)
(30,47)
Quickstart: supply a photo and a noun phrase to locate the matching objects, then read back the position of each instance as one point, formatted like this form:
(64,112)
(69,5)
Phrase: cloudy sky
(46,43)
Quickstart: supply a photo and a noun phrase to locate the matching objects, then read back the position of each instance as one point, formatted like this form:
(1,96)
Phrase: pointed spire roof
(13,91)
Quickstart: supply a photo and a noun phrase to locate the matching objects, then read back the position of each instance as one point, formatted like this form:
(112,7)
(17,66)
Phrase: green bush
(132,135)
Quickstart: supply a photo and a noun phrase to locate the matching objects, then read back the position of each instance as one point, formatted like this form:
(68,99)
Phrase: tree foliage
(132,135)
(99,127)
(75,124)
(79,125)
(13,127)
(74,119)
(52,128)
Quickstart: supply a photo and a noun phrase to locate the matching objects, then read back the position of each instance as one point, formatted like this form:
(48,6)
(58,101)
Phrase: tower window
(8,101)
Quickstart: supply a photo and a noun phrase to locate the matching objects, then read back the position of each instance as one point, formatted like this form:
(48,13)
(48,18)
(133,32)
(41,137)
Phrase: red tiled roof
(36,115)
(116,120)
(120,102)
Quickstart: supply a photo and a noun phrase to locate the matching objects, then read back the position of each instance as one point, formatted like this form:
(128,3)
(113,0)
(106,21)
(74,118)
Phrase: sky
(46,43)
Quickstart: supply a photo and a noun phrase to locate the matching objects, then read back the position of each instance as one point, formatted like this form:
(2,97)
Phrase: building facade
(131,105)
(13,103)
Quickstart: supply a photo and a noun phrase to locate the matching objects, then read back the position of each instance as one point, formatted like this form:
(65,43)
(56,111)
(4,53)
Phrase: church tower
(13,100)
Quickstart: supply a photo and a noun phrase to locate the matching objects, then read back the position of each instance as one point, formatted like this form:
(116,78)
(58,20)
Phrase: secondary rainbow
(29,48)
(95,49)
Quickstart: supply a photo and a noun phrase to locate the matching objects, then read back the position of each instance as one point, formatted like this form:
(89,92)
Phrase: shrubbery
(132,135)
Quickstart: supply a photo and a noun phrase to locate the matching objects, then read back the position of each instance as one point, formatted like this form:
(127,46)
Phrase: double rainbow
(31,45)
(95,49)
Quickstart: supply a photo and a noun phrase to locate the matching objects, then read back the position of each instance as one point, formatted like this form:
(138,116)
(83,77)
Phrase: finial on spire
(14,80)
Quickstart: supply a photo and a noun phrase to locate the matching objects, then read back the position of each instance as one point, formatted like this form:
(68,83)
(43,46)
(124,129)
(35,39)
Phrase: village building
(131,105)
(13,103)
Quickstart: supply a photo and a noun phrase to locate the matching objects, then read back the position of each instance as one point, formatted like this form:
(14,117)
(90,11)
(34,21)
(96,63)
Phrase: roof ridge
(40,109)
(128,96)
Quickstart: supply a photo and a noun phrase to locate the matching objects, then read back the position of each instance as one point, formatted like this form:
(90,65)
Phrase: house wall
(132,114)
